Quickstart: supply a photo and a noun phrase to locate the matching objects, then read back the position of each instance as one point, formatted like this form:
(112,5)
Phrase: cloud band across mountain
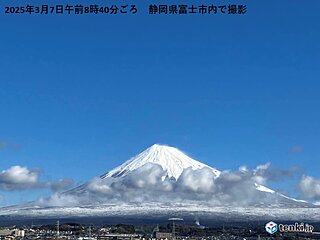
(165,174)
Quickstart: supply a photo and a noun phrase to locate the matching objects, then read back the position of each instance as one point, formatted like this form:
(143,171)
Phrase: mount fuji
(162,180)
(174,162)
(170,159)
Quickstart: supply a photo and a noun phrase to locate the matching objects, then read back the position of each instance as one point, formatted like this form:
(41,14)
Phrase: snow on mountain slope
(268,190)
(132,212)
(172,160)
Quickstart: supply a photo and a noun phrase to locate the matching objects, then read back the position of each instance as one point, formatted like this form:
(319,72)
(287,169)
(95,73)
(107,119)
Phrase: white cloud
(18,178)
(149,175)
(58,200)
(97,185)
(8,145)
(310,187)
(145,184)
(296,149)
(61,184)
(201,180)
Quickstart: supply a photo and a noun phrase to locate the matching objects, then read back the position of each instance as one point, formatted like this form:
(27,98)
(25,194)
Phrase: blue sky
(80,95)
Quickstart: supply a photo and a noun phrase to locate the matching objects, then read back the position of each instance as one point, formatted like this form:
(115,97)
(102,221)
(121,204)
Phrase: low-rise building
(163,235)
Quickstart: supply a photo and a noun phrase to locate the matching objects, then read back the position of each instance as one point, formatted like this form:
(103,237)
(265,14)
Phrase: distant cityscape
(173,230)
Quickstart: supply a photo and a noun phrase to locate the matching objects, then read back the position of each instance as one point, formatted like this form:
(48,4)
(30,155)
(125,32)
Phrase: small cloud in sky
(19,178)
(296,149)
(8,145)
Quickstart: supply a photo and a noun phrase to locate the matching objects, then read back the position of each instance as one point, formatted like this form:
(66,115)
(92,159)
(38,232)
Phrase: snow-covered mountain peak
(171,159)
